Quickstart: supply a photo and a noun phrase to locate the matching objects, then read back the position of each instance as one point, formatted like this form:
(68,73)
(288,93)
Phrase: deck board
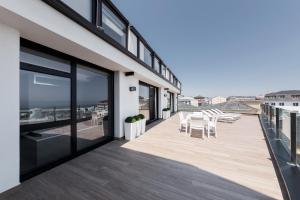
(165,164)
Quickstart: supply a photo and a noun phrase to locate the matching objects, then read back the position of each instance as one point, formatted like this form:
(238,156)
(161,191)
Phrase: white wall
(9,101)
(126,102)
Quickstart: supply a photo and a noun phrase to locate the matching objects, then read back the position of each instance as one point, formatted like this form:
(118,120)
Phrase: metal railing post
(277,123)
(293,116)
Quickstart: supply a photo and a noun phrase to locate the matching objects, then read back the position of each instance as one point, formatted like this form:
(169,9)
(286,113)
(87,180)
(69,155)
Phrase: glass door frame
(72,75)
(156,109)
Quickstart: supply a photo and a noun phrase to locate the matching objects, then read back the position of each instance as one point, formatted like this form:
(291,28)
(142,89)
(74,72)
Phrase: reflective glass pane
(84,8)
(43,98)
(113,26)
(156,65)
(285,135)
(33,57)
(132,44)
(145,54)
(163,70)
(42,147)
(144,104)
(92,107)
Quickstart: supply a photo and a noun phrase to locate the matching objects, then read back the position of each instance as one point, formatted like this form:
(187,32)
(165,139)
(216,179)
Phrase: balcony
(166,164)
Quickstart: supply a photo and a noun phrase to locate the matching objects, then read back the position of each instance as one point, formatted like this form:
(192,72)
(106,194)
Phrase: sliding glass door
(148,101)
(93,107)
(65,107)
(170,101)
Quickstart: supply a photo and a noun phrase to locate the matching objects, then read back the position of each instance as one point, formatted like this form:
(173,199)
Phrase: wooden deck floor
(165,164)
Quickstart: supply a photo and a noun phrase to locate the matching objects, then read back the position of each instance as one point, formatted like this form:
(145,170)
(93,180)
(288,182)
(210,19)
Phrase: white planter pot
(165,114)
(138,128)
(143,127)
(130,130)
(169,113)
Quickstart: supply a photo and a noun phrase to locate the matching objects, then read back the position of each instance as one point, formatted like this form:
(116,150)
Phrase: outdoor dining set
(205,121)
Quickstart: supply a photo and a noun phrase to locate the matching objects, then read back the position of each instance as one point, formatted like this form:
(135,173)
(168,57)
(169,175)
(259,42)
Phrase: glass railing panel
(273,117)
(298,138)
(285,133)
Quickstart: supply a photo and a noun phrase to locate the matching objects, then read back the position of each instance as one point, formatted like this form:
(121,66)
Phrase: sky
(223,47)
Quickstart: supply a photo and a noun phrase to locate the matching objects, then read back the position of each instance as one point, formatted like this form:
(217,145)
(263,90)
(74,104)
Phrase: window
(84,8)
(163,70)
(156,65)
(49,128)
(295,104)
(43,98)
(148,101)
(171,78)
(40,59)
(281,97)
(92,107)
(113,26)
(45,110)
(132,43)
(281,104)
(167,74)
(145,54)
(273,104)
(296,96)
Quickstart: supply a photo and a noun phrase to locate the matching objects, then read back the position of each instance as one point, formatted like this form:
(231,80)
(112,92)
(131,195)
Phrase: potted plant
(166,113)
(138,125)
(143,123)
(130,127)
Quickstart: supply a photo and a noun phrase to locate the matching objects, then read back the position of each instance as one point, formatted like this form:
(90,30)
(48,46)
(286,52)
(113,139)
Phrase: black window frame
(115,11)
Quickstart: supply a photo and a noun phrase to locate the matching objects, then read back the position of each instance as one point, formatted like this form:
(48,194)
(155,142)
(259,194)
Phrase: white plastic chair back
(181,117)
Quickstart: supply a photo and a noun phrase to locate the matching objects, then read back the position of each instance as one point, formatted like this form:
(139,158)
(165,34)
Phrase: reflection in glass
(163,70)
(285,135)
(92,107)
(298,138)
(132,44)
(38,58)
(39,148)
(145,54)
(43,98)
(156,65)
(113,26)
(144,103)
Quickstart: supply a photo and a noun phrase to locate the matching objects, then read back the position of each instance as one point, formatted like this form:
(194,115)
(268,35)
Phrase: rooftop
(165,164)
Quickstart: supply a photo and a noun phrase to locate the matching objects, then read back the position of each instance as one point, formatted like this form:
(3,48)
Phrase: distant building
(241,98)
(201,100)
(217,100)
(187,101)
(283,98)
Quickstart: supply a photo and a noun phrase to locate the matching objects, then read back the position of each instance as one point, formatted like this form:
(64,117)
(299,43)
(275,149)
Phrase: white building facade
(288,98)
(71,72)
(188,101)
(217,100)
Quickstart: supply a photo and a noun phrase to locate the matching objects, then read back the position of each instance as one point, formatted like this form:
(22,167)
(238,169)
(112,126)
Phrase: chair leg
(208,132)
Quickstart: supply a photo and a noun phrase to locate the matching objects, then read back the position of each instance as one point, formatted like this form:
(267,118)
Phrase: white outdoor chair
(222,118)
(197,123)
(183,122)
(212,126)
(94,119)
(234,115)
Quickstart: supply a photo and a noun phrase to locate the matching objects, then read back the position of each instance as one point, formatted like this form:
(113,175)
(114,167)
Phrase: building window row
(113,24)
